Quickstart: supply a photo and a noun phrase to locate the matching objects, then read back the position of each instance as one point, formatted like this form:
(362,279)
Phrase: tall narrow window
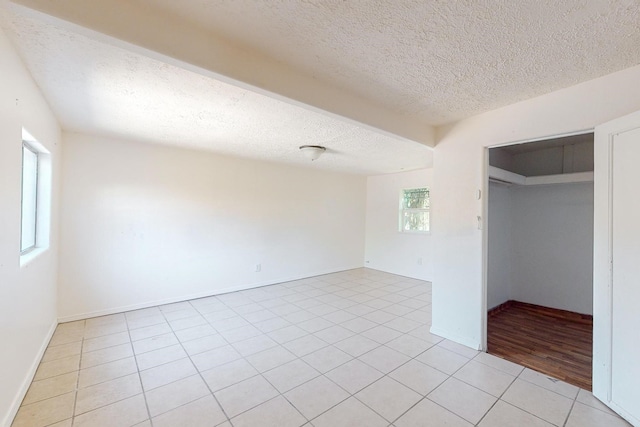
(414,210)
(29,198)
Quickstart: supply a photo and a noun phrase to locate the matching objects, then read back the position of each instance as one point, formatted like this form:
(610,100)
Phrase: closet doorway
(540,256)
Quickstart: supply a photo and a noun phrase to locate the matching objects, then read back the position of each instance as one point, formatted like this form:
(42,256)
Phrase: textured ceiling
(437,61)
(95,87)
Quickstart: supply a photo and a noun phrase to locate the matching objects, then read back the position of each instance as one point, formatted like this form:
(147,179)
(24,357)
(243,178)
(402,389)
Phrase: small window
(29,198)
(414,210)
(35,225)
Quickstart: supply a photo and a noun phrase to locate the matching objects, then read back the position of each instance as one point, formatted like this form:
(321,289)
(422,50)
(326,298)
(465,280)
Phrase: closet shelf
(506,177)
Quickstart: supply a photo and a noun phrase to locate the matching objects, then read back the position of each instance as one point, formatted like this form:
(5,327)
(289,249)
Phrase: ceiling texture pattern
(259,78)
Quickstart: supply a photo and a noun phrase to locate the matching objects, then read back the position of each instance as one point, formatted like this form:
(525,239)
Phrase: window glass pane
(29,198)
(415,221)
(416,199)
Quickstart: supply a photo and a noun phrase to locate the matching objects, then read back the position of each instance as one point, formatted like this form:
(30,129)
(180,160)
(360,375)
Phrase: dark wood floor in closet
(555,342)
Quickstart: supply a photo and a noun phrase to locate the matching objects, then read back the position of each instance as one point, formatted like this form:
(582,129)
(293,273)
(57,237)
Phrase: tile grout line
(135,359)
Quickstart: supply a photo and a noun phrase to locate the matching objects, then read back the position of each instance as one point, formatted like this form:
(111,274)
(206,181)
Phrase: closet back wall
(145,224)
(541,246)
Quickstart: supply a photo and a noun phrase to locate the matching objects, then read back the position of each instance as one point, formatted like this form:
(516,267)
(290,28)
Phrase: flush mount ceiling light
(312,152)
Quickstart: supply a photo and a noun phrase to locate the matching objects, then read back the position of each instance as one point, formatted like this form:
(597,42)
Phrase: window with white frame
(29,198)
(35,226)
(414,210)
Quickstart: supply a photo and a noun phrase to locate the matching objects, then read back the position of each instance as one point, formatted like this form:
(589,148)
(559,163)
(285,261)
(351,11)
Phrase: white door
(616,345)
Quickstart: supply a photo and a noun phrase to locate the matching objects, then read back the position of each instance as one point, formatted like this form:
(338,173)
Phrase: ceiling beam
(162,36)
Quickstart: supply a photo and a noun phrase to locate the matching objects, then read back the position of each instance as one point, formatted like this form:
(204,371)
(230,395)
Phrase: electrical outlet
(258,268)
(419,261)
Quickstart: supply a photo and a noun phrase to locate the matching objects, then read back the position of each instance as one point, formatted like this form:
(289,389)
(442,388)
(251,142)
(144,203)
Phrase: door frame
(485,218)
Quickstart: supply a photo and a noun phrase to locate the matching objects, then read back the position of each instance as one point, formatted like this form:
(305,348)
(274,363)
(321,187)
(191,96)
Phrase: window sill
(31,255)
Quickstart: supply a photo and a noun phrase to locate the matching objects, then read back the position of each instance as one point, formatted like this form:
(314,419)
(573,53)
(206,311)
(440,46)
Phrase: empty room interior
(319,213)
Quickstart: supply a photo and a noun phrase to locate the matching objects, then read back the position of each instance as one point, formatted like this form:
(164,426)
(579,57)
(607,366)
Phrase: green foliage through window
(414,210)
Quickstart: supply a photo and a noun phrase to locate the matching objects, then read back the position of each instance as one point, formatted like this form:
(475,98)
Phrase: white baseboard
(24,388)
(466,341)
(205,294)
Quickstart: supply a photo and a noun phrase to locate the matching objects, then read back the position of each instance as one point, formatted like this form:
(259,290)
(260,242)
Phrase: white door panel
(617,267)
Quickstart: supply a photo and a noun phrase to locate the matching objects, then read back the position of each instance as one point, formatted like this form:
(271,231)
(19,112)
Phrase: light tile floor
(345,349)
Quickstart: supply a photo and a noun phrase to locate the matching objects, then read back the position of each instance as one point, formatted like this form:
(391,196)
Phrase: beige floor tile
(356,345)
(316,396)
(106,355)
(204,412)
(499,364)
(427,413)
(315,325)
(103,394)
(167,373)
(290,375)
(206,343)
(150,331)
(271,325)
(585,416)
(106,341)
(409,345)
(216,357)
(254,345)
(384,359)
(196,332)
(418,376)
(161,356)
(424,333)
(62,351)
(462,399)
(538,401)
(402,324)
(379,316)
(587,398)
(443,359)
(277,412)
(381,334)
(65,423)
(45,412)
(61,338)
(334,334)
(327,358)
(353,376)
(339,316)
(555,385)
(107,371)
(228,374)
(245,395)
(287,334)
(57,367)
(233,326)
(154,343)
(358,325)
(190,322)
(143,322)
(502,414)
(305,345)
(103,330)
(127,412)
(388,398)
(485,378)
(460,349)
(271,358)
(51,387)
(350,413)
(164,399)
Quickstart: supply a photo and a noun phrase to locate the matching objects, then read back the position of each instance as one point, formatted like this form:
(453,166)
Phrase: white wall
(541,246)
(552,241)
(386,248)
(459,161)
(499,262)
(27,294)
(143,224)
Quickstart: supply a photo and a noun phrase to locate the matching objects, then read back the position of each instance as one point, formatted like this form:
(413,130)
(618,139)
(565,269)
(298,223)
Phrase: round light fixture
(312,152)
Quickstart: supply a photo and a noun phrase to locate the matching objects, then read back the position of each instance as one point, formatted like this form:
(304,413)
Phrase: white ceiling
(408,64)
(438,61)
(97,88)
